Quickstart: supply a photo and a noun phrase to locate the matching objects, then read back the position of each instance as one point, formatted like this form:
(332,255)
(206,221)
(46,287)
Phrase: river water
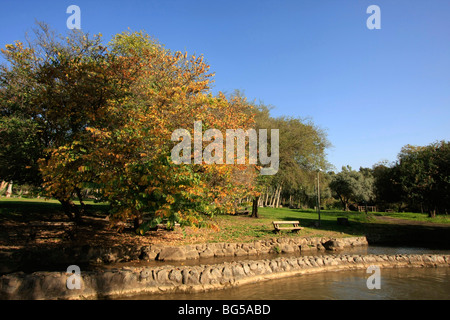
(395,284)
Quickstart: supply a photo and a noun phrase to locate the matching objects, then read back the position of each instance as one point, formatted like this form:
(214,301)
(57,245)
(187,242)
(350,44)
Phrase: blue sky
(373,91)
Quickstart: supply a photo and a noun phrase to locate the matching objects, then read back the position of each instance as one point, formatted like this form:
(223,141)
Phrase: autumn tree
(58,86)
(138,177)
(104,115)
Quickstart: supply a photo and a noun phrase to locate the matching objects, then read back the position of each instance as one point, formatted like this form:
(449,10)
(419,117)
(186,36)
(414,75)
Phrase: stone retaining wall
(130,281)
(274,245)
(57,257)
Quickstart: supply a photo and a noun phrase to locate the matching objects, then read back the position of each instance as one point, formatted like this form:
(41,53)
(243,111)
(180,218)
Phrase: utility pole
(318,193)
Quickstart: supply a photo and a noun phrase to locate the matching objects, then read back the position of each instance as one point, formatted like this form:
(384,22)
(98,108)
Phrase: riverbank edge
(50,258)
(128,282)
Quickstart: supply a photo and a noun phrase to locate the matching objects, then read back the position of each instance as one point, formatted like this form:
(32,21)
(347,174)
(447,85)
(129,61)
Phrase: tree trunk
(3,185)
(136,223)
(255,208)
(260,201)
(71,210)
(278,197)
(344,202)
(273,198)
(80,199)
(432,213)
(67,206)
(9,190)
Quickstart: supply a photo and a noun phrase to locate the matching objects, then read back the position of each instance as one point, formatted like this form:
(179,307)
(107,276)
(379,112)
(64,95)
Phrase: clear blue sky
(373,91)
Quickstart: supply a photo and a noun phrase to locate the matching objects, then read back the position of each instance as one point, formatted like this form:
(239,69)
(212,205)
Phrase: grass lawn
(245,228)
(18,212)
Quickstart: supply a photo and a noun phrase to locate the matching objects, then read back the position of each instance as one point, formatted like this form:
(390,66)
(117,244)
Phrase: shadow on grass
(354,228)
(306,218)
(23,210)
(376,231)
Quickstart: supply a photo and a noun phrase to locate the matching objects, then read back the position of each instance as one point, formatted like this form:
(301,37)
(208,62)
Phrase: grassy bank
(245,228)
(17,213)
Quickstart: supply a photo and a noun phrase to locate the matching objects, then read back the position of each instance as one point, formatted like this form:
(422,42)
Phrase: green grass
(245,228)
(239,228)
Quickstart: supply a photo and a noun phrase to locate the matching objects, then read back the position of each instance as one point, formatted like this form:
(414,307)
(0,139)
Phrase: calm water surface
(396,284)
(401,283)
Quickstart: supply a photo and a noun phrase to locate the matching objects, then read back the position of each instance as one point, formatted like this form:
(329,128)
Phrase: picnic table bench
(294,226)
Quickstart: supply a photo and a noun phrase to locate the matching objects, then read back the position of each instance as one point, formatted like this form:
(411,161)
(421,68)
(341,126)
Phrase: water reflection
(405,250)
(400,284)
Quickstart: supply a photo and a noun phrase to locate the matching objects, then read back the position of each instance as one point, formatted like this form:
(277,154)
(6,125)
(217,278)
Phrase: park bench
(278,226)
